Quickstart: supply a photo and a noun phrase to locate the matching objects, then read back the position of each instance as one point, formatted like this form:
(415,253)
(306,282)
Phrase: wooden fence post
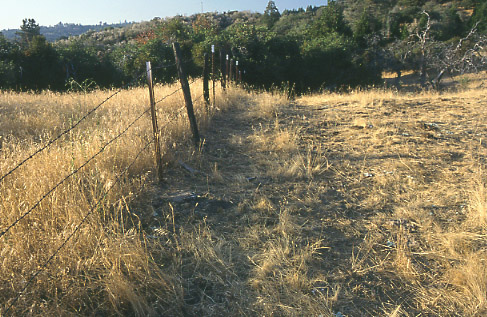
(206,90)
(222,70)
(187,94)
(155,128)
(227,71)
(231,70)
(213,70)
(236,73)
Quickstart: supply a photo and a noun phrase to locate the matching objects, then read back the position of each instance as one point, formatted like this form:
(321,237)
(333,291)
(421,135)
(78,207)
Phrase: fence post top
(149,71)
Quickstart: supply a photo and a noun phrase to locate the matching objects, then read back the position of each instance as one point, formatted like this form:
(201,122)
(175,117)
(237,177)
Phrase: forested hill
(65,30)
(346,43)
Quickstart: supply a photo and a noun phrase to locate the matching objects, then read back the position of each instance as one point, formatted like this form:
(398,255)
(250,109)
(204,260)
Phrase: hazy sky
(50,12)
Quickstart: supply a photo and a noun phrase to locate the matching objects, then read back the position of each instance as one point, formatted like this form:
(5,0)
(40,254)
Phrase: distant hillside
(65,30)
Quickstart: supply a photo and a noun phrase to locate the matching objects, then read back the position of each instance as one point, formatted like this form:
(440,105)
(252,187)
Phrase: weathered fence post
(222,70)
(227,71)
(231,70)
(206,89)
(155,128)
(213,70)
(236,73)
(187,94)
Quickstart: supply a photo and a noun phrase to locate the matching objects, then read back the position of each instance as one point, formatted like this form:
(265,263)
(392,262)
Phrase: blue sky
(50,12)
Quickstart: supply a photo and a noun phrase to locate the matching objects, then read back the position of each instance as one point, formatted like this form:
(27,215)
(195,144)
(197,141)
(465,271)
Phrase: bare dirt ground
(365,204)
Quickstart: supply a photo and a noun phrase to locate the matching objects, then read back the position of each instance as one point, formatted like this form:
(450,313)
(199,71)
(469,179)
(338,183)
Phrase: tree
(364,27)
(451,25)
(467,55)
(330,20)
(271,14)
(41,65)
(28,30)
(423,43)
(435,58)
(480,16)
(174,30)
(7,65)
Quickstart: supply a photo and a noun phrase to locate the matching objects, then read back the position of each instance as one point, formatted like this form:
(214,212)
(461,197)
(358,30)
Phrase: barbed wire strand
(44,266)
(69,129)
(73,173)
(47,145)
(142,185)
(78,169)
(163,66)
(198,98)
(171,94)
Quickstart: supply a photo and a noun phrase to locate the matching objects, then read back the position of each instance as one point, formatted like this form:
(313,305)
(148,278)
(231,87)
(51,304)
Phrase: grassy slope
(367,203)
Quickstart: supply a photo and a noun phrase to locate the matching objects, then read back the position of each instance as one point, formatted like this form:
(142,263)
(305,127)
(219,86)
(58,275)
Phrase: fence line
(101,150)
(65,131)
(71,174)
(81,166)
(35,153)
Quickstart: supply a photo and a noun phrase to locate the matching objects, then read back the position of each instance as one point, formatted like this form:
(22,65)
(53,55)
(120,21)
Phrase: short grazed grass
(367,203)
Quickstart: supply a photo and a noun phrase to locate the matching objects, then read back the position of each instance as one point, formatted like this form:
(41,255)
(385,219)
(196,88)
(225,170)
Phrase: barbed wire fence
(184,87)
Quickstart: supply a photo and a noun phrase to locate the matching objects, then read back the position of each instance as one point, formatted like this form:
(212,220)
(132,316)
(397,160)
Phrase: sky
(88,12)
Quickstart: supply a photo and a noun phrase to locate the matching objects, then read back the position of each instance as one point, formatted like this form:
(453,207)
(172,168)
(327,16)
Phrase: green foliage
(331,20)
(328,60)
(365,27)
(174,30)
(81,62)
(85,86)
(451,25)
(480,16)
(41,66)
(271,14)
(8,74)
(294,23)
(28,31)
(411,3)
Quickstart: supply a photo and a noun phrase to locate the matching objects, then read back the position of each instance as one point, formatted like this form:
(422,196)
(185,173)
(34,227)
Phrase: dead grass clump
(206,266)
(469,278)
(477,208)
(281,278)
(283,141)
(267,105)
(389,182)
(407,164)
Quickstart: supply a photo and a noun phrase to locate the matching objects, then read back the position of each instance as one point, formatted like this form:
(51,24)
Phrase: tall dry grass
(107,266)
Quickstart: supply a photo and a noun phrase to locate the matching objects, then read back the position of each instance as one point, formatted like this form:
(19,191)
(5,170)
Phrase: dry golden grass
(107,266)
(414,173)
(369,203)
